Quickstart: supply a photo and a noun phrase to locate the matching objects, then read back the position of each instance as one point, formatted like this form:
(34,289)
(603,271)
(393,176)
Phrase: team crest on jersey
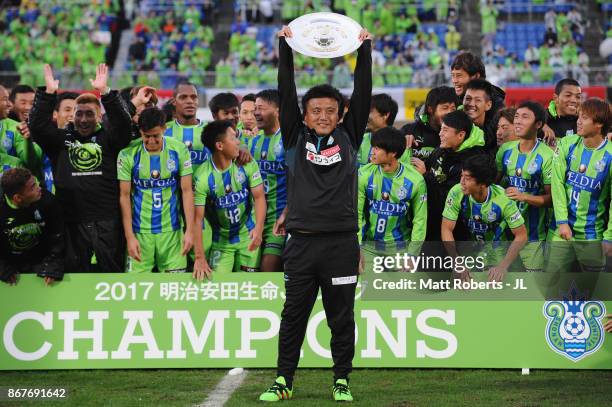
(491,216)
(477,218)
(600,165)
(264,154)
(228,189)
(385,196)
(155,174)
(449,202)
(532,168)
(574,327)
(278,149)
(402,193)
(582,168)
(7,143)
(519,172)
(240,177)
(170,165)
(188,144)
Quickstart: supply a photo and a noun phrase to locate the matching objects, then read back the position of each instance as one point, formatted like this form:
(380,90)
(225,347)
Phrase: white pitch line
(224,390)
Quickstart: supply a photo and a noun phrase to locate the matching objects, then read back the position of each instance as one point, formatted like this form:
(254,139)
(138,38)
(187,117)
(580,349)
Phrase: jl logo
(574,326)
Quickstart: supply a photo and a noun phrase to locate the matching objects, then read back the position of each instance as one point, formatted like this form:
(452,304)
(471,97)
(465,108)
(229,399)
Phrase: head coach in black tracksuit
(322,248)
(84,161)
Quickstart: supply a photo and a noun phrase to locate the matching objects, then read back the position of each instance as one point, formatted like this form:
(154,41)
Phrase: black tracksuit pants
(329,261)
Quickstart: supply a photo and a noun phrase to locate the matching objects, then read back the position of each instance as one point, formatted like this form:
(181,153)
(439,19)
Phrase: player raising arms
(321,215)
(226,193)
(582,173)
(154,174)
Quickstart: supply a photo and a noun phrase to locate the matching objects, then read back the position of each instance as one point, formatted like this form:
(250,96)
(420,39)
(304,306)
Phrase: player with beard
(31,229)
(424,133)
(525,170)
(186,127)
(267,149)
(84,159)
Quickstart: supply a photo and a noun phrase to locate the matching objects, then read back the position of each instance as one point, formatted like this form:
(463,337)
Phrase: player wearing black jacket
(425,129)
(31,229)
(84,160)
(322,248)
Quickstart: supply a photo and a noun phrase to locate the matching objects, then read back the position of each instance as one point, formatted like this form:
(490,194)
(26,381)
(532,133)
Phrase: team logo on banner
(574,327)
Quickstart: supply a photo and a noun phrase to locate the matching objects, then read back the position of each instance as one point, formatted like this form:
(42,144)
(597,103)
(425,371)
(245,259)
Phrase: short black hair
(224,100)
(249,97)
(150,118)
(13,180)
(270,96)
(20,89)
(389,139)
(384,104)
(565,82)
(182,83)
(64,96)
(481,84)
(324,91)
(213,132)
(458,120)
(125,93)
(169,110)
(536,108)
(440,95)
(482,168)
(470,63)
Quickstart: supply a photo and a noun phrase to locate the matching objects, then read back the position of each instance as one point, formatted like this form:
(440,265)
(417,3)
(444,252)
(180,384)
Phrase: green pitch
(379,388)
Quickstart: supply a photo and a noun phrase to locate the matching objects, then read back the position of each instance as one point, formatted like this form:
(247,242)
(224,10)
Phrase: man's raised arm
(290,114)
(359,107)
(40,121)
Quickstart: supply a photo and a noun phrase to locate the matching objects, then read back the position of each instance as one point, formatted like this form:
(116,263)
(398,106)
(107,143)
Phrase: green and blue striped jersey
(581,188)
(191,136)
(392,207)
(228,200)
(11,141)
(156,184)
(269,153)
(365,151)
(528,172)
(8,161)
(486,221)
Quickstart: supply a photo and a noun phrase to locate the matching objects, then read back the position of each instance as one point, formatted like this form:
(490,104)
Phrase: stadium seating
(62,34)
(516,37)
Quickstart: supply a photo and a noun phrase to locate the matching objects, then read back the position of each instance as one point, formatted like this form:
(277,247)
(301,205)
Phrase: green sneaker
(341,391)
(278,391)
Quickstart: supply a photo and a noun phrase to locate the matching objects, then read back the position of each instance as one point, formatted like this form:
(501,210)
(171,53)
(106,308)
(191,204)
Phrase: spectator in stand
(532,56)
(452,38)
